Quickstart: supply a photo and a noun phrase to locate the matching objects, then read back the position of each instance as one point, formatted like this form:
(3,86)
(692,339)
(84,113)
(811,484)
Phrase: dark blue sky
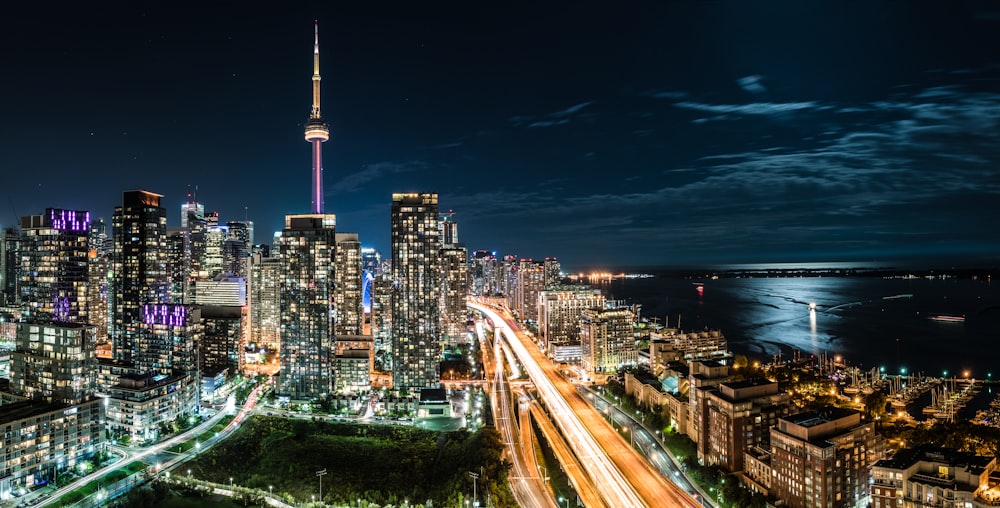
(637,133)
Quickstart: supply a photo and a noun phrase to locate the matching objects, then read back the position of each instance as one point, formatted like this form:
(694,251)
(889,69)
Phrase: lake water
(870,321)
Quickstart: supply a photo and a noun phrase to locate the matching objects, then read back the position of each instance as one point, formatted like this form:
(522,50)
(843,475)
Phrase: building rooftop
(433,396)
(819,416)
(907,457)
(27,409)
(748,383)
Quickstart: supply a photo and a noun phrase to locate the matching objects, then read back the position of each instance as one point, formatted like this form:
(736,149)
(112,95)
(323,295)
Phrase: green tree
(875,403)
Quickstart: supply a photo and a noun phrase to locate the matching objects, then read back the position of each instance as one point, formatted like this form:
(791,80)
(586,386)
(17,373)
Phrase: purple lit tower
(54,259)
(317,131)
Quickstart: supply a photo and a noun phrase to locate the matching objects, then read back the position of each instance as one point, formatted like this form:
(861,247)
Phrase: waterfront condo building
(607,339)
(416,292)
(931,475)
(739,415)
(822,459)
(530,282)
(308,250)
(559,311)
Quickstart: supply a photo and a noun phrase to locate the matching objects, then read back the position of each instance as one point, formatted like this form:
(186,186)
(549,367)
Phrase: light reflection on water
(871,321)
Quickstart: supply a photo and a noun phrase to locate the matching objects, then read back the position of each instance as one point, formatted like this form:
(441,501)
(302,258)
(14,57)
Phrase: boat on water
(948,318)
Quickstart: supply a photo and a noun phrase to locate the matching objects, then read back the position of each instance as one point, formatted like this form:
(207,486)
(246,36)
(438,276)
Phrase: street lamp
(270,491)
(230,483)
(561,499)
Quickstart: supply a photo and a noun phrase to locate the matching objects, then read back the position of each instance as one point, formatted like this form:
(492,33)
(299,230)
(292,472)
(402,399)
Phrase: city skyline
(670,135)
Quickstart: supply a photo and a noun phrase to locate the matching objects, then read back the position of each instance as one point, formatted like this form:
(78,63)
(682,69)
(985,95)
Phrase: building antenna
(17,218)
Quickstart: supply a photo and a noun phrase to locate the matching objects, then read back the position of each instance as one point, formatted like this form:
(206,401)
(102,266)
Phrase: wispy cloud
(753,108)
(355,181)
(548,123)
(561,117)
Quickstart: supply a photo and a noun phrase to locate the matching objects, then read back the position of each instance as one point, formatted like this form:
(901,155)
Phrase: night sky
(602,133)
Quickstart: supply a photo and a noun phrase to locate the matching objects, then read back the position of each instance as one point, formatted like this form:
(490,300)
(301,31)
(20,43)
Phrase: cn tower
(317,131)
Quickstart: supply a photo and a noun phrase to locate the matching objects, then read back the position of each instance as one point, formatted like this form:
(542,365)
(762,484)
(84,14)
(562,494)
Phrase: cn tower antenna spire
(317,131)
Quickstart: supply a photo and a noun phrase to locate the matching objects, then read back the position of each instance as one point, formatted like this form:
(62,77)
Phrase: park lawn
(175,500)
(382,464)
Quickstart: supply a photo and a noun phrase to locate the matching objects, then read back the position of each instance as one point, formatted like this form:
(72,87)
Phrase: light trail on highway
(615,489)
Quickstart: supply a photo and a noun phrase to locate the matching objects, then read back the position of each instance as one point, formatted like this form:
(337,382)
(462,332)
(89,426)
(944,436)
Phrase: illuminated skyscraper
(530,282)
(416,293)
(53,267)
(10,262)
(454,291)
(348,292)
(139,274)
(308,249)
(191,208)
(317,131)
(485,273)
(265,301)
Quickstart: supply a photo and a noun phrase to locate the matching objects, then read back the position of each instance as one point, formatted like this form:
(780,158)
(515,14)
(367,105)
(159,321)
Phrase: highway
(527,486)
(622,476)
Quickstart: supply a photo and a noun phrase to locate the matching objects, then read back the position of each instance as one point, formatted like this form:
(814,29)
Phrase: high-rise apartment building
(10,262)
(530,282)
(54,265)
(448,229)
(168,336)
(222,343)
(139,275)
(416,294)
(349,311)
(264,300)
(454,291)
(97,292)
(178,258)
(607,339)
(822,459)
(308,250)
(485,274)
(559,311)
(553,272)
(382,294)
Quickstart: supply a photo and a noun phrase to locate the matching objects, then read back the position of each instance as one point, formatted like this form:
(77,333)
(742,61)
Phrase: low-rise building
(139,404)
(40,438)
(930,475)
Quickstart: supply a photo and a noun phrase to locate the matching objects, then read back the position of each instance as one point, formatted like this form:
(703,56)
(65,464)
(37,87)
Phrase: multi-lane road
(526,484)
(622,476)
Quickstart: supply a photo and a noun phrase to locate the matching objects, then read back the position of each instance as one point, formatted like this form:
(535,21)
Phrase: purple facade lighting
(69,220)
(168,314)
